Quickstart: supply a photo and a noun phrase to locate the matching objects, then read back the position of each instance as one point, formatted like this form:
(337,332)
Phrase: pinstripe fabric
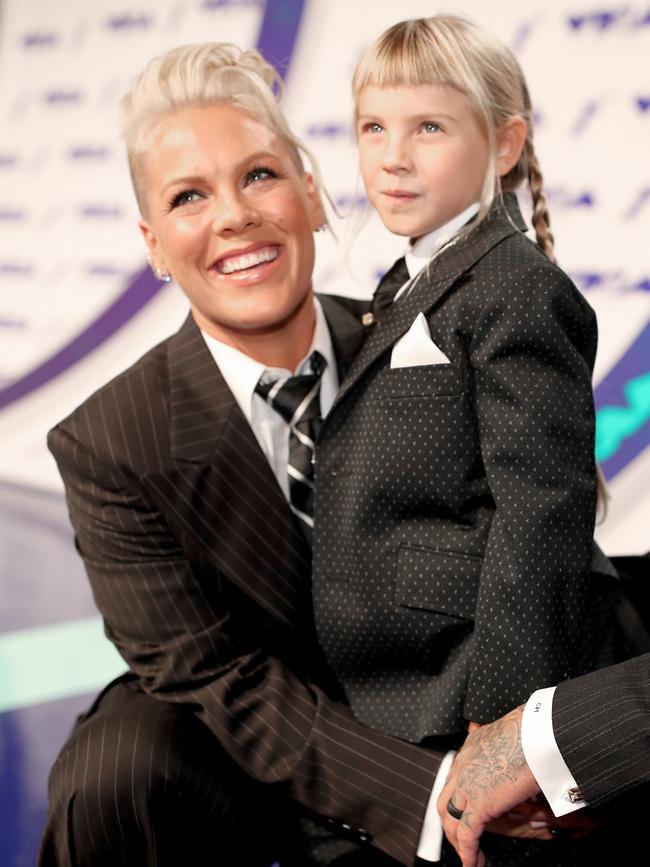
(146,769)
(202,577)
(602,726)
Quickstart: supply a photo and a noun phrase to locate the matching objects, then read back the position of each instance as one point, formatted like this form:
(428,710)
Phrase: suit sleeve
(531,355)
(601,724)
(179,634)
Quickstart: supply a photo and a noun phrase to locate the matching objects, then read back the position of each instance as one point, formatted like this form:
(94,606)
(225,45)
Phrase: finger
(520,827)
(465,835)
(468,844)
(450,823)
(450,827)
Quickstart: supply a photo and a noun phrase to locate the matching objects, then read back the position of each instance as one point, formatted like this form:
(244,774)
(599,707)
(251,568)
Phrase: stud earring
(159,273)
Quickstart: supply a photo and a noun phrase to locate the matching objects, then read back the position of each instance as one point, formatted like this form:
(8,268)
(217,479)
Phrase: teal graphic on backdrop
(623,408)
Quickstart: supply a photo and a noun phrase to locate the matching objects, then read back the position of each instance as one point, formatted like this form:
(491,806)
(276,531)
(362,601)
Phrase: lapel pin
(368,319)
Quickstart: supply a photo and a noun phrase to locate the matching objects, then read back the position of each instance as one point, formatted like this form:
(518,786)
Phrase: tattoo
(492,755)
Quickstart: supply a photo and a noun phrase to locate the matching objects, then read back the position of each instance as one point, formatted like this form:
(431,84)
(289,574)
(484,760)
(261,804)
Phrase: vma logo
(606,20)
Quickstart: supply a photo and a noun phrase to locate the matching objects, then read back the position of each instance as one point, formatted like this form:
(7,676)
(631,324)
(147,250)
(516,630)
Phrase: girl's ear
(511,139)
(316,210)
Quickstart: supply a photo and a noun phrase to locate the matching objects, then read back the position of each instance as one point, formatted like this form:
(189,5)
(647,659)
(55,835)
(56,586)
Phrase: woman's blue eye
(184,198)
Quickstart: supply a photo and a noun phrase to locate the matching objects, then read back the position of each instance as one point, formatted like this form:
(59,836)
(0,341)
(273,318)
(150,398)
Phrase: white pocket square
(416,348)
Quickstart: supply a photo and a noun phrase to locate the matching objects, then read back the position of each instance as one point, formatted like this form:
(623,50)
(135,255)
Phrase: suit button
(364,836)
(368,319)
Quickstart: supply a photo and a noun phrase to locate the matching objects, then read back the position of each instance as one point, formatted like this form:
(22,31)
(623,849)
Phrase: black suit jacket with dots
(455,503)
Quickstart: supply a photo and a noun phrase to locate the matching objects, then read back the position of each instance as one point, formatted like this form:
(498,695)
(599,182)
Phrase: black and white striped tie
(297,400)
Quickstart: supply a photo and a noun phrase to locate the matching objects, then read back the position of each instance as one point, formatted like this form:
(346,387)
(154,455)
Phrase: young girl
(455,483)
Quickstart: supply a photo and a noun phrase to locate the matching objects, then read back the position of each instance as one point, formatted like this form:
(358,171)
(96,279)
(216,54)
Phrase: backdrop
(77,303)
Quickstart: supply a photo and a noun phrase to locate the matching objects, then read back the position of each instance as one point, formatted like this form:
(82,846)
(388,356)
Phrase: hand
(488,779)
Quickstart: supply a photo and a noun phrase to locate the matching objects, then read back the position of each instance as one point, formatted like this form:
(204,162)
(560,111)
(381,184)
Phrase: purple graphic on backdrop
(617,397)
(140,292)
(276,41)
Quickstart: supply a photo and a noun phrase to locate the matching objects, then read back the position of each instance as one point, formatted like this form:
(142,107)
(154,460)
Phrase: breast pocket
(443,582)
(426,380)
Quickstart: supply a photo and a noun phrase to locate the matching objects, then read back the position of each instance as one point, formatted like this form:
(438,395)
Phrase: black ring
(453,810)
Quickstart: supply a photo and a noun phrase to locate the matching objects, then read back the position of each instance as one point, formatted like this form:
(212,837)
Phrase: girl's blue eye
(374,127)
(260,173)
(430,127)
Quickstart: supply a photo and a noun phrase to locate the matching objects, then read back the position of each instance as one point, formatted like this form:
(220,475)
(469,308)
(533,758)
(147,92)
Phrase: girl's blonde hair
(452,51)
(200,76)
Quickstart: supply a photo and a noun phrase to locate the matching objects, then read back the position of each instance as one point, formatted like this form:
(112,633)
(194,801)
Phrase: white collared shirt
(242,374)
(428,246)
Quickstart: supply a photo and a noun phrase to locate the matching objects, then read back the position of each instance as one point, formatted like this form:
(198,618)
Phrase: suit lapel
(344,317)
(233,508)
(432,284)
(201,404)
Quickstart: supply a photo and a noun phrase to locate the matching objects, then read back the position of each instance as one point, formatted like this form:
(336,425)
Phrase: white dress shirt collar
(242,373)
(423,250)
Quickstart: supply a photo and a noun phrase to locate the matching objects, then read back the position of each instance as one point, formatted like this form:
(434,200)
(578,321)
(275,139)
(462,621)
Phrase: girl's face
(423,155)
(231,217)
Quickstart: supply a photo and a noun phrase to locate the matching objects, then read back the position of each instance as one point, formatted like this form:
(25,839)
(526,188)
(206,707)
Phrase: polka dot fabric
(455,503)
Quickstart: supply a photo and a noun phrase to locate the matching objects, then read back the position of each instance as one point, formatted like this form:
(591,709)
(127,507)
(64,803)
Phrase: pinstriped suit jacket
(203,580)
(602,726)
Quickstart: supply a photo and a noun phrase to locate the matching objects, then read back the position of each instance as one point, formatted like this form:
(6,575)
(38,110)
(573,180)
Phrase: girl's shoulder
(517,276)
(520,267)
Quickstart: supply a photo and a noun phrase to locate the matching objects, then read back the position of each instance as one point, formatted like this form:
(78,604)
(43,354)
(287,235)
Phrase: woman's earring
(159,274)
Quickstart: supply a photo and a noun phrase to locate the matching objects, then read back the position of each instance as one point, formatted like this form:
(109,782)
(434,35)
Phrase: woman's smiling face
(231,217)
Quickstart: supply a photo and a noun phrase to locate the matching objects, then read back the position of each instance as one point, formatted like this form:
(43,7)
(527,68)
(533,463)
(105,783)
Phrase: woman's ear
(153,254)
(511,139)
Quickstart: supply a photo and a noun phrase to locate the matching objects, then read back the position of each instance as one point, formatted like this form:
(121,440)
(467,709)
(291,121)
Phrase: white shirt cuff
(543,755)
(431,836)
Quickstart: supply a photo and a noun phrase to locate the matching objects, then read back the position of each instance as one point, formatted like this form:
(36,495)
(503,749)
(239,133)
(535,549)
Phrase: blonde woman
(228,729)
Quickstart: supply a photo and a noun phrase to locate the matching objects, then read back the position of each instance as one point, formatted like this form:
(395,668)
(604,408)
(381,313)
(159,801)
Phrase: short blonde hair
(199,76)
(449,50)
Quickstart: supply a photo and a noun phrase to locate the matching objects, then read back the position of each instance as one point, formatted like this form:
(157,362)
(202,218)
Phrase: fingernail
(534,823)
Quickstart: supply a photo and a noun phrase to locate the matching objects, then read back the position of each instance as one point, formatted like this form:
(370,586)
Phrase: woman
(227,727)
